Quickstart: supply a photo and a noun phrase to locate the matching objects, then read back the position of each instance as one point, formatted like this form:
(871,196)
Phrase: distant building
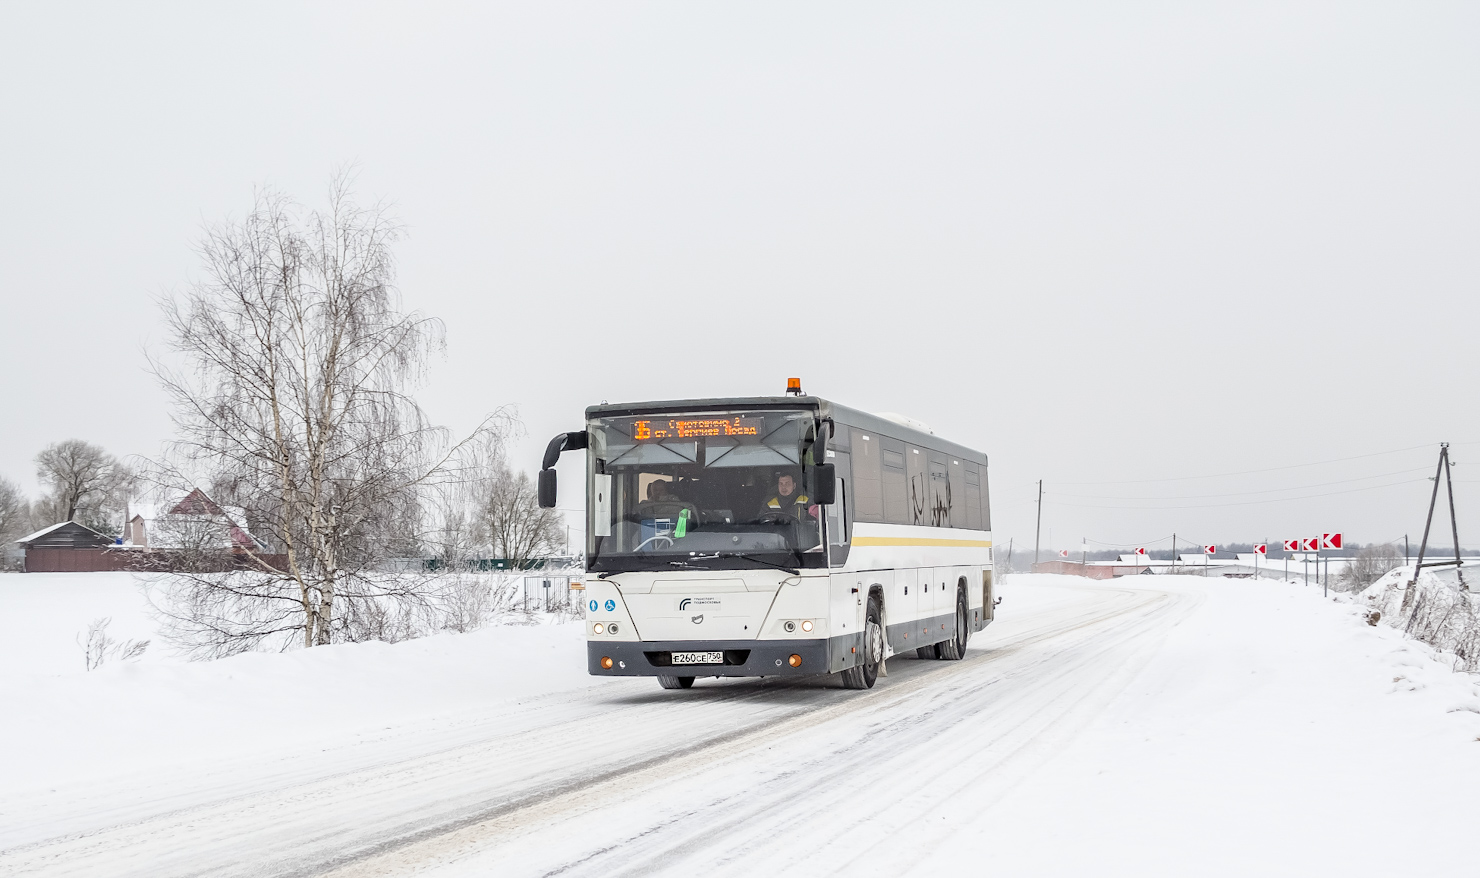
(195,522)
(69,547)
(193,533)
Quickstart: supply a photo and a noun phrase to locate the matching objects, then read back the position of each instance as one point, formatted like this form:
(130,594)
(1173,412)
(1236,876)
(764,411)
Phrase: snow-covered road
(619,777)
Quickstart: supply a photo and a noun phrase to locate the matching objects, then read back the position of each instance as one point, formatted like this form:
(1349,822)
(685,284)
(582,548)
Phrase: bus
(775,536)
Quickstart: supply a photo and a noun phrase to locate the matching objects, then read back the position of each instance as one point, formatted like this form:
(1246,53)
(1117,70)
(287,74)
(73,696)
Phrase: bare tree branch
(294,403)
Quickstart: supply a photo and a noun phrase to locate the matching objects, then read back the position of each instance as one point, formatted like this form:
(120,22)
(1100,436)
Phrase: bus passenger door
(846,612)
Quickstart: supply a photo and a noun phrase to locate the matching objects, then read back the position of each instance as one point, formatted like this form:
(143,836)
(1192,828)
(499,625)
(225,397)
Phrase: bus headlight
(612,628)
(789,626)
(807,625)
(795,661)
(598,628)
(606,662)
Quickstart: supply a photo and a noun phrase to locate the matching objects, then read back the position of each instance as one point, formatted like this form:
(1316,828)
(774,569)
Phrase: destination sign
(690,428)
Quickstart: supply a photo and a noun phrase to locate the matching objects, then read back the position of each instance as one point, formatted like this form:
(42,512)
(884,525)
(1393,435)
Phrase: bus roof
(839,413)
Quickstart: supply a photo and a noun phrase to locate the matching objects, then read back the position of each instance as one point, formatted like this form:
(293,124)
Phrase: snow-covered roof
(178,524)
(43,532)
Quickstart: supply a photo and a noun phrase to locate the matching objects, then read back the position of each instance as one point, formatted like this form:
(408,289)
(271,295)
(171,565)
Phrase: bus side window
(837,526)
(973,496)
(895,487)
(837,516)
(868,503)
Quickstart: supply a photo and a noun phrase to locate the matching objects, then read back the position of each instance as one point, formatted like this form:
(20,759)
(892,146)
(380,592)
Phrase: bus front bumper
(742,658)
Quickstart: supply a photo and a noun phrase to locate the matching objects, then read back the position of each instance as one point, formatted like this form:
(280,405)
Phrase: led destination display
(689,428)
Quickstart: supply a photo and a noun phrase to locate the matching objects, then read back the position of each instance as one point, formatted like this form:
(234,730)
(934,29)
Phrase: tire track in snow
(418,809)
(1036,680)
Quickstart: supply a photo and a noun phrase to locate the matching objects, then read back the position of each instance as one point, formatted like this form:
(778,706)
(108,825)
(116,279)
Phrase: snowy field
(1161,726)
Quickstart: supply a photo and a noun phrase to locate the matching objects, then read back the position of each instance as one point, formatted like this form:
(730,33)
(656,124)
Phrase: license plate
(698,658)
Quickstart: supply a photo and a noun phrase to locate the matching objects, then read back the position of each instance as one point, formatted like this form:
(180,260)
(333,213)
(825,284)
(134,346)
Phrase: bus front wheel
(863,675)
(676,682)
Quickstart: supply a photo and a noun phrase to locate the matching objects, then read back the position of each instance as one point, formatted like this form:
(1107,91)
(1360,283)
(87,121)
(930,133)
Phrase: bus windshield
(712,490)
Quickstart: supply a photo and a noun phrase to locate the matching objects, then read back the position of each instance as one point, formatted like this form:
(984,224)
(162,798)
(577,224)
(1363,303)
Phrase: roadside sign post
(1328,541)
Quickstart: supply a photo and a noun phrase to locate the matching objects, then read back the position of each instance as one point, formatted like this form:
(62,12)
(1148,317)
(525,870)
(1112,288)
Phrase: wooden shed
(68,547)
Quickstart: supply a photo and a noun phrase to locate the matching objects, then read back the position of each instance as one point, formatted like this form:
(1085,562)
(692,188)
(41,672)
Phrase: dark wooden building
(68,547)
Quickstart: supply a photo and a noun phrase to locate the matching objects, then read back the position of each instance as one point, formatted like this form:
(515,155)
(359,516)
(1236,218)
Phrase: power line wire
(1401,472)
(1252,471)
(1246,502)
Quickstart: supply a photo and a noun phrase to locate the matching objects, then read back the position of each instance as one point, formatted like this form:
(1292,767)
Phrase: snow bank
(1273,733)
(1441,612)
(44,615)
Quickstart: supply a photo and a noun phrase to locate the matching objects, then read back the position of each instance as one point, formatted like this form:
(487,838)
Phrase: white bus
(779,536)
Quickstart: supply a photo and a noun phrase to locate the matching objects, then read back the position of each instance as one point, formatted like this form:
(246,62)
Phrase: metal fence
(553,594)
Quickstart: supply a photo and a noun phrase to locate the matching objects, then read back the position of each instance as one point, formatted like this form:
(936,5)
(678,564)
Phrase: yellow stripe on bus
(917,541)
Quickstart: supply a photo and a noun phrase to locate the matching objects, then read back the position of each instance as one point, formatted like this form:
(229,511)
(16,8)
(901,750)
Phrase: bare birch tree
(293,402)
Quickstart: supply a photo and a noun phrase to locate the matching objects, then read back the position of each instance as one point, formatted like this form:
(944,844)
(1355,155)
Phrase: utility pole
(1174,551)
(1405,550)
(1423,545)
(1039,529)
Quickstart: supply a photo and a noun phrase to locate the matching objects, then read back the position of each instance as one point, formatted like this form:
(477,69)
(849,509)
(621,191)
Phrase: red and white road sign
(1064,553)
(1140,550)
(1210,550)
(1330,541)
(1261,548)
(1311,545)
(1292,545)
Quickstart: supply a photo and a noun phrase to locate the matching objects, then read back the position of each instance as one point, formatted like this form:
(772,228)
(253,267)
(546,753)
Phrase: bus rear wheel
(955,648)
(863,675)
(676,682)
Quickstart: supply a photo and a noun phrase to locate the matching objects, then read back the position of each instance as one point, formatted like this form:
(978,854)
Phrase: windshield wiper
(792,570)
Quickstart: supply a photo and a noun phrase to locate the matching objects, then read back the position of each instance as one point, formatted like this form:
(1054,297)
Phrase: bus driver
(787,500)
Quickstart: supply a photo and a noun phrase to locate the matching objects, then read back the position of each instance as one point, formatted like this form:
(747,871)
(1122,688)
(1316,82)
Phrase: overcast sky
(1104,243)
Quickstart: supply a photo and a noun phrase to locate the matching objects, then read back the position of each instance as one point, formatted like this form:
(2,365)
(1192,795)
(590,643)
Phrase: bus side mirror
(547,489)
(825,486)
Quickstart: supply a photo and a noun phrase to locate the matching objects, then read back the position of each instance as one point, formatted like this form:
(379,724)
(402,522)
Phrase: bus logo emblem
(697,619)
(684,604)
